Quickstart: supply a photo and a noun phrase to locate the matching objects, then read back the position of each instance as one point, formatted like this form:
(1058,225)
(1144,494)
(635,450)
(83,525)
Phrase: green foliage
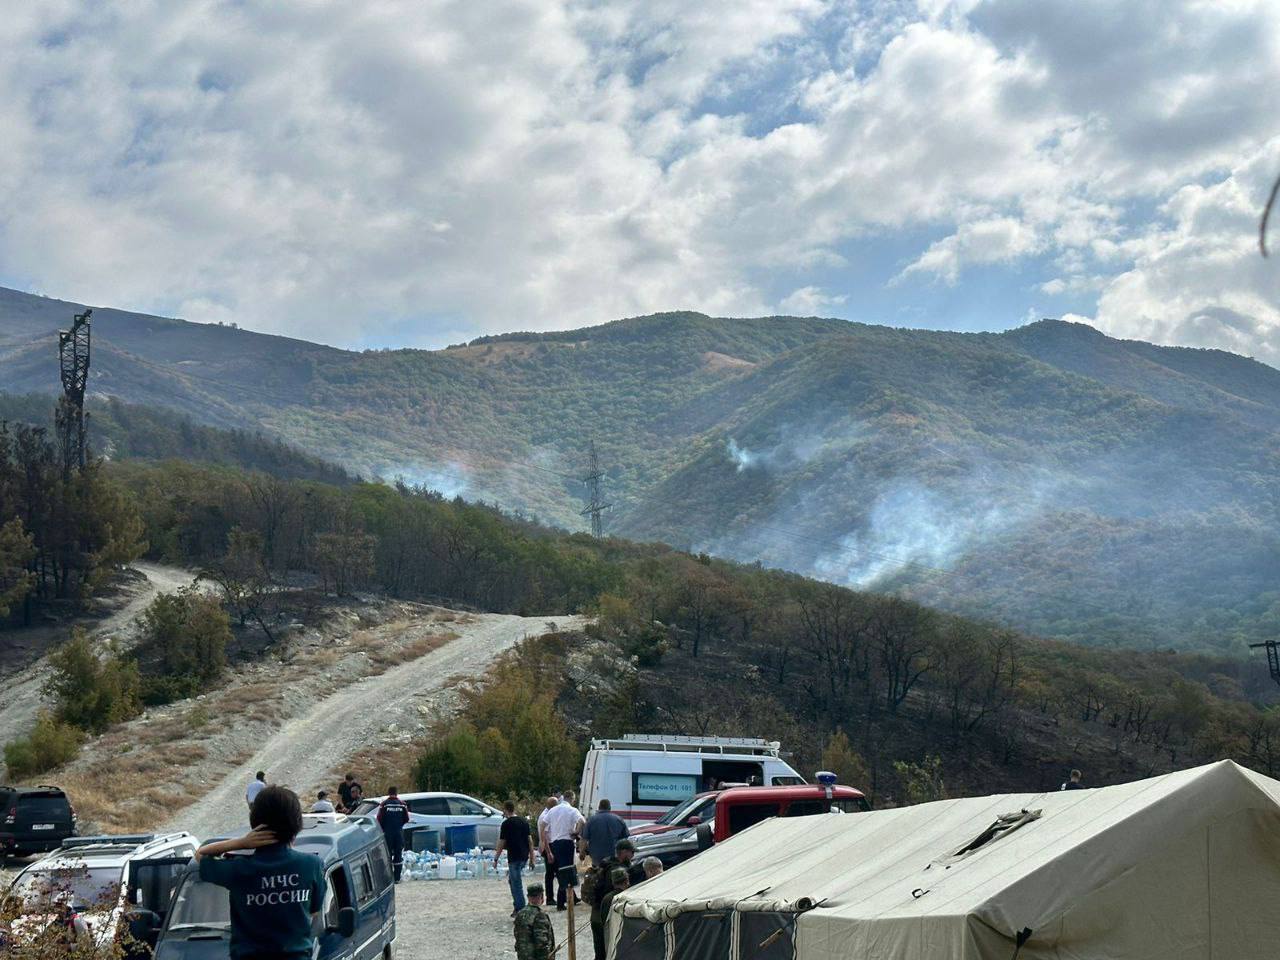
(128,431)
(183,646)
(454,761)
(244,578)
(74,532)
(17,550)
(921,782)
(1045,455)
(846,763)
(50,744)
(619,621)
(508,738)
(89,691)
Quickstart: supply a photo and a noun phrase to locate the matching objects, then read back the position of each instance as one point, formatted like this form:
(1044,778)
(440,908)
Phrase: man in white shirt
(544,847)
(562,823)
(323,804)
(256,786)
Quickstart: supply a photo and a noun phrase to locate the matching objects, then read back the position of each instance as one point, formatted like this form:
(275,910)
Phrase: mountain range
(1078,486)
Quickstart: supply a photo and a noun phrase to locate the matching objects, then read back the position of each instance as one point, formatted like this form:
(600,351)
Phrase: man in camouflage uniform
(535,939)
(600,884)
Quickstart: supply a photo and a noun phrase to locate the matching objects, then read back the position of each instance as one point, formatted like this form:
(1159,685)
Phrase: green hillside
(1103,491)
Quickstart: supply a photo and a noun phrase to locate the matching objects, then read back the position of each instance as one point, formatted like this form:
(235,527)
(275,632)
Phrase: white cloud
(986,241)
(335,170)
(1200,281)
(808,301)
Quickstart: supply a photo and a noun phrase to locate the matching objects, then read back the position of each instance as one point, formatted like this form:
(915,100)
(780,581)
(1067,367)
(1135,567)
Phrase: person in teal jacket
(276,892)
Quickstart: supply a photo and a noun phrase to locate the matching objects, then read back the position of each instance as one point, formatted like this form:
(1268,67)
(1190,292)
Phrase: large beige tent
(1176,867)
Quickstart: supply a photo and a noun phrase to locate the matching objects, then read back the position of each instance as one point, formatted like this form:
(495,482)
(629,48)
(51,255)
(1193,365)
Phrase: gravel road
(22,700)
(304,750)
(469,920)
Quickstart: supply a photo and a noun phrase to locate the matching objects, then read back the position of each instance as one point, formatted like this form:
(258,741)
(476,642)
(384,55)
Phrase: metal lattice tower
(1273,658)
(73,354)
(595,497)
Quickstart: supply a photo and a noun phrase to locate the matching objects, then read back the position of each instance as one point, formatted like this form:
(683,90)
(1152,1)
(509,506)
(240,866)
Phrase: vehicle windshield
(200,905)
(848,806)
(86,887)
(365,806)
(676,814)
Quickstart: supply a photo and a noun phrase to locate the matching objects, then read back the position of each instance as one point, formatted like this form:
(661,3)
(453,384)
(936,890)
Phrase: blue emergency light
(828,780)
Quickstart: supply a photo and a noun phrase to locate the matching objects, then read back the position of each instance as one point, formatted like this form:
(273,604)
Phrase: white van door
(617,787)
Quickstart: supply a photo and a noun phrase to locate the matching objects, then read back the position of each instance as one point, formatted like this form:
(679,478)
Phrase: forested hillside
(124,431)
(1076,486)
(684,641)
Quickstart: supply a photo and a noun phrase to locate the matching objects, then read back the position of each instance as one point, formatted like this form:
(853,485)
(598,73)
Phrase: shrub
(508,739)
(840,758)
(184,645)
(88,691)
(921,782)
(453,762)
(50,744)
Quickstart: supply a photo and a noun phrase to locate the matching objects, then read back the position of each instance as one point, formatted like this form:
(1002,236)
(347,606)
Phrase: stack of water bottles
(473,864)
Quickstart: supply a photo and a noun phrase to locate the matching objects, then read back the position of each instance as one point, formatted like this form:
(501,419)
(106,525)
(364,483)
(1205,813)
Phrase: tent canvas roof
(894,873)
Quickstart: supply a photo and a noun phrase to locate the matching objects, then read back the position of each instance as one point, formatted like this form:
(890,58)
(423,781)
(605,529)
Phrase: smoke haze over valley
(1099,490)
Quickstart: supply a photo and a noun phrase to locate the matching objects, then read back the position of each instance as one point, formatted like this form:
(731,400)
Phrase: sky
(420,172)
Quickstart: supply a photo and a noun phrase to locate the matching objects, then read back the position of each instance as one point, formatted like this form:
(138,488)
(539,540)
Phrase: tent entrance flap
(706,935)
(766,936)
(641,940)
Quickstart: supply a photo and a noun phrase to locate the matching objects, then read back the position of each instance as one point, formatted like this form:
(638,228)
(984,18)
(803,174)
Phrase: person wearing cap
(623,860)
(619,880)
(535,938)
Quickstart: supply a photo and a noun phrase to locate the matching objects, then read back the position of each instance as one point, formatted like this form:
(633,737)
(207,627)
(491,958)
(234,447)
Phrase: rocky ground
(468,920)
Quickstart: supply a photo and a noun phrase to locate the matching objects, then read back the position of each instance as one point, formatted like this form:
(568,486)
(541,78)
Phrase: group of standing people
(564,836)
(392,813)
(350,794)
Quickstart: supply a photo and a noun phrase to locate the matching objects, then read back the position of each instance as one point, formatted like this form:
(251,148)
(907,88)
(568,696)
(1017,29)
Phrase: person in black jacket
(392,817)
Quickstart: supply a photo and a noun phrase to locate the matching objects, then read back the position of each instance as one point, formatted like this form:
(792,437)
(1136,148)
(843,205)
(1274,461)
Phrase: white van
(644,775)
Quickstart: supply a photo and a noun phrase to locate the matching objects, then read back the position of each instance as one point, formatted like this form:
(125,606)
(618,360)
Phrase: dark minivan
(359,904)
(34,820)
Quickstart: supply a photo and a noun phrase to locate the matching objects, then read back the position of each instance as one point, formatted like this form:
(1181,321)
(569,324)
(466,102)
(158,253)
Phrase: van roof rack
(670,743)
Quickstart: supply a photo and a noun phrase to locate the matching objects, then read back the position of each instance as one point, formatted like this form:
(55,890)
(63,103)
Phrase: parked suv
(441,810)
(99,887)
(34,820)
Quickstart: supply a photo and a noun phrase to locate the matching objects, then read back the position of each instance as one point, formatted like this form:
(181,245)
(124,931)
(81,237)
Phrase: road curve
(306,747)
(22,699)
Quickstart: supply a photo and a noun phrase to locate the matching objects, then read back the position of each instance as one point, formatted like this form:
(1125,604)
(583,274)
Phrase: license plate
(43,826)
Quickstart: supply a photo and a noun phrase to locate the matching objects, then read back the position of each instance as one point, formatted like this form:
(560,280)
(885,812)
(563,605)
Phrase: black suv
(34,820)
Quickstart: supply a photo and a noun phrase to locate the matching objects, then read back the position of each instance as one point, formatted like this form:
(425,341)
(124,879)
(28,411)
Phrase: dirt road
(22,699)
(307,746)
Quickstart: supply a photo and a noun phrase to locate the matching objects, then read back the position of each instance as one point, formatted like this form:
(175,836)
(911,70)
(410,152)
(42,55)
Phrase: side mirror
(347,921)
(706,839)
(693,821)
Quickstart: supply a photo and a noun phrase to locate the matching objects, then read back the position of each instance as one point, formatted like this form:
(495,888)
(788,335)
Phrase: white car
(92,887)
(443,810)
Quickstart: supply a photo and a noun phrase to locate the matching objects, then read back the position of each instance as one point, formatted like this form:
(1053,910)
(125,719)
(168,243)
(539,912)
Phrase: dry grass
(141,772)
(384,656)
